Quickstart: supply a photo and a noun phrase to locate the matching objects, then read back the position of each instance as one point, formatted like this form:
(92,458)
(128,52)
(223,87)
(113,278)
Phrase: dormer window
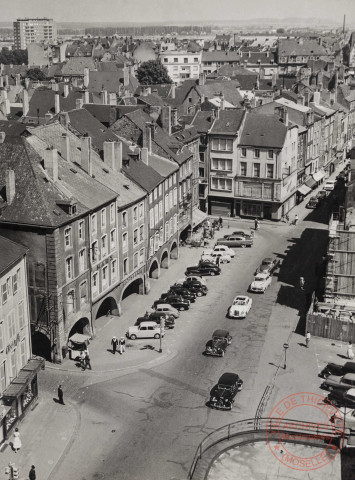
(68,206)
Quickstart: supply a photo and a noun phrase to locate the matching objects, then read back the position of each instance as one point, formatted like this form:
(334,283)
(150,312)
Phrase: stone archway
(165,260)
(174,252)
(107,307)
(81,326)
(136,286)
(154,271)
(41,345)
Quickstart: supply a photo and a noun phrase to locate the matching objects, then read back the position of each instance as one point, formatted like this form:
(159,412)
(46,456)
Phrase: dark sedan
(321,195)
(222,395)
(235,241)
(194,286)
(219,343)
(175,301)
(169,320)
(238,233)
(336,369)
(203,269)
(312,202)
(184,292)
(268,265)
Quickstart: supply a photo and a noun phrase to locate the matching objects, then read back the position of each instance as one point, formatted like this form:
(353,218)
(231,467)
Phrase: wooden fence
(329,326)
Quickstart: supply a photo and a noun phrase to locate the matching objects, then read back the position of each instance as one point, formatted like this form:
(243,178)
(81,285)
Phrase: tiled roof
(162,90)
(234,71)
(291,47)
(12,71)
(162,165)
(186,135)
(151,99)
(247,82)
(13,130)
(229,89)
(265,131)
(295,115)
(229,122)
(105,80)
(144,175)
(265,58)
(108,114)
(76,65)
(203,121)
(220,56)
(11,253)
(43,100)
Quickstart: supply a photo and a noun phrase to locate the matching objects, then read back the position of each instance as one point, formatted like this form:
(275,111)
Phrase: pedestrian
(212,232)
(114,343)
(208,223)
(32,474)
(316,305)
(256,224)
(349,351)
(82,359)
(87,359)
(287,218)
(308,338)
(122,344)
(218,260)
(60,395)
(220,221)
(295,220)
(17,441)
(108,313)
(301,283)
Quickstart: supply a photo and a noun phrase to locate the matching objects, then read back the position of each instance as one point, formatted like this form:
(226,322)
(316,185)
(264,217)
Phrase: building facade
(34,30)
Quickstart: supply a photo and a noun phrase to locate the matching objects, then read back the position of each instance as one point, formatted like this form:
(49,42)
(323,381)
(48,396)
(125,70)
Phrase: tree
(35,74)
(280,31)
(153,72)
(14,57)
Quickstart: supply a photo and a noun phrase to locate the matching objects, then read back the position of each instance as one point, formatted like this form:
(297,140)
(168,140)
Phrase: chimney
(86,77)
(174,117)
(147,137)
(17,79)
(47,117)
(103,97)
(222,102)
(144,155)
(7,107)
(56,103)
(25,104)
(173,87)
(118,156)
(66,90)
(64,119)
(1,81)
(273,78)
(316,98)
(110,155)
(65,147)
(6,80)
(78,103)
(165,118)
(306,98)
(55,86)
(216,112)
(320,80)
(125,76)
(27,83)
(10,185)
(51,163)
(300,99)
(86,97)
(86,163)
(112,99)
(202,78)
(2,137)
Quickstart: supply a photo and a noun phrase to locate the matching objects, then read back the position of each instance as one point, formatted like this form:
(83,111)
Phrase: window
(222,144)
(83,293)
(141,210)
(175,196)
(156,241)
(112,240)
(221,184)
(166,231)
(125,266)
(103,218)
(269,171)
(151,218)
(256,170)
(150,198)
(14,284)
(161,209)
(93,223)
(160,189)
(135,260)
(11,321)
(2,369)
(69,268)
(256,153)
(270,154)
(165,60)
(104,277)
(94,285)
(186,60)
(94,252)
(125,242)
(104,245)
(195,59)
(124,219)
(21,315)
(67,237)
(82,260)
(13,364)
(170,182)
(151,246)
(156,214)
(112,213)
(166,203)
(135,214)
(135,236)
(243,169)
(69,303)
(113,270)
(81,231)
(141,256)
(23,354)
(221,164)
(19,278)
(155,194)
(141,233)
(244,152)
(8,285)
(176,59)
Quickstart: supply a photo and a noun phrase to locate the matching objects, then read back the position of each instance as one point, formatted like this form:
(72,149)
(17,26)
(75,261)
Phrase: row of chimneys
(4,80)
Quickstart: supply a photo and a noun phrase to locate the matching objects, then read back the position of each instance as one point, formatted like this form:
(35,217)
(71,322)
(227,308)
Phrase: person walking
(295,220)
(256,224)
(302,283)
(82,359)
(114,343)
(122,344)
(17,444)
(87,359)
(349,351)
(308,338)
(220,221)
(218,260)
(60,395)
(32,474)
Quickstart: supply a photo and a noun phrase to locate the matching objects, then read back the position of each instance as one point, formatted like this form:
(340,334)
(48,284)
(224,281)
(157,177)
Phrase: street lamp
(286,345)
(162,325)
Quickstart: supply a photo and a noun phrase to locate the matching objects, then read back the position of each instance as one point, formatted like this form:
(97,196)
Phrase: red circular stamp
(286,431)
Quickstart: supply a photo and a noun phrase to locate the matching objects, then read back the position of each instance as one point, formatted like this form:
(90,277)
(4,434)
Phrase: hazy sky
(175,10)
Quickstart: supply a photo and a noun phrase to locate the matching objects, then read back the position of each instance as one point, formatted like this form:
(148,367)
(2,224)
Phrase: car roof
(350,393)
(228,379)
(262,275)
(220,333)
(349,366)
(268,260)
(160,305)
(350,376)
(149,323)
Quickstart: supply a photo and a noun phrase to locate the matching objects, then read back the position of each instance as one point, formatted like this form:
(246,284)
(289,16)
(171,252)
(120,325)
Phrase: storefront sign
(13,344)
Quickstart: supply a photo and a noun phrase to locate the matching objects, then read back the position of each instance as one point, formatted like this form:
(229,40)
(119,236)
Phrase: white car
(145,330)
(329,185)
(212,257)
(240,307)
(261,282)
(224,249)
(166,308)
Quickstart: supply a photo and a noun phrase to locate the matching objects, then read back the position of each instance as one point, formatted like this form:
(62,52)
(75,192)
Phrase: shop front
(18,396)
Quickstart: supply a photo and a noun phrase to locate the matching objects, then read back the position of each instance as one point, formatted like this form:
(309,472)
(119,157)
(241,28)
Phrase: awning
(310,182)
(318,175)
(23,379)
(304,190)
(198,216)
(80,338)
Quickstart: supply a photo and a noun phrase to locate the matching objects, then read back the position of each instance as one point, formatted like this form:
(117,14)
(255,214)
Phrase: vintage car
(240,307)
(198,278)
(224,249)
(342,398)
(345,415)
(260,283)
(212,257)
(194,286)
(329,185)
(339,383)
(176,301)
(144,330)
(235,241)
(219,343)
(268,265)
(321,195)
(203,269)
(312,202)
(239,233)
(169,320)
(184,292)
(166,308)
(222,395)
(336,369)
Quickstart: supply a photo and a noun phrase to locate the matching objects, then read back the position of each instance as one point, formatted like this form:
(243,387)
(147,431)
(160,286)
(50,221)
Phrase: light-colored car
(329,185)
(193,277)
(261,282)
(225,249)
(166,308)
(145,330)
(212,257)
(235,241)
(240,307)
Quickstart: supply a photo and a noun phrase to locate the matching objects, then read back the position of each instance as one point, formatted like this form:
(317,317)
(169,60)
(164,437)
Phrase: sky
(141,11)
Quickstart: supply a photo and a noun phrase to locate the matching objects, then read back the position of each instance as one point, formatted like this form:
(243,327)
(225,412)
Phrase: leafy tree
(35,74)
(153,72)
(15,57)
(280,30)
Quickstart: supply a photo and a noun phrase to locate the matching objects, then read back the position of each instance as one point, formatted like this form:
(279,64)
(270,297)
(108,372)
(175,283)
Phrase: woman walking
(17,441)
(349,351)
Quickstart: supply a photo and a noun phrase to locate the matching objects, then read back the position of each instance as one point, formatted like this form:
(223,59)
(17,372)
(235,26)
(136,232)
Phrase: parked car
(176,301)
(144,330)
(312,202)
(329,185)
(224,249)
(195,277)
(342,398)
(235,241)
(183,292)
(345,415)
(241,233)
(212,257)
(321,195)
(169,320)
(194,287)
(223,394)
(203,269)
(339,383)
(268,265)
(240,307)
(260,283)
(166,308)
(219,343)
(336,369)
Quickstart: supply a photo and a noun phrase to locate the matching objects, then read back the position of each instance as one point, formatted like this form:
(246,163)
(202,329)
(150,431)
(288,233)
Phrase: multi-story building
(181,65)
(293,54)
(18,371)
(34,30)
